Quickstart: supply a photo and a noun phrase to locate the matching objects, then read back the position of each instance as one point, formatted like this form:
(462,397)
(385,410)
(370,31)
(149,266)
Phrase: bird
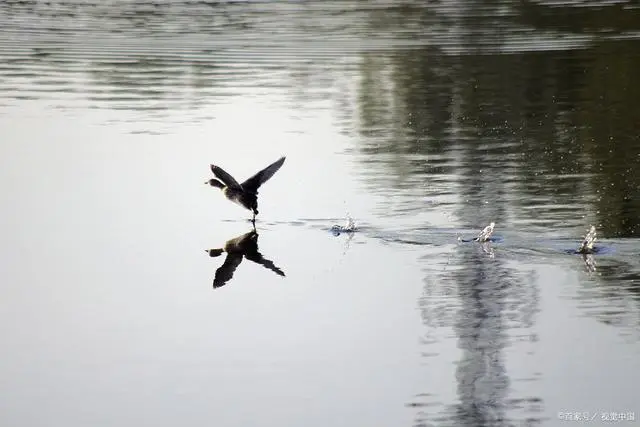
(587,243)
(245,246)
(245,194)
(486,233)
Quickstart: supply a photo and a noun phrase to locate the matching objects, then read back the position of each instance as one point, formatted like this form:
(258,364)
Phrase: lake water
(423,121)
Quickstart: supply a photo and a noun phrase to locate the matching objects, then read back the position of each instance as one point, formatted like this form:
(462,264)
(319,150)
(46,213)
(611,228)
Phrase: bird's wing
(223,176)
(226,270)
(259,259)
(252,184)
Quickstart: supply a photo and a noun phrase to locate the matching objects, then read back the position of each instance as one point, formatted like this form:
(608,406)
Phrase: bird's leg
(253,221)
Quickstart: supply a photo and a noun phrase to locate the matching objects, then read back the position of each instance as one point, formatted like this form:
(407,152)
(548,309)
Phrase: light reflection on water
(423,122)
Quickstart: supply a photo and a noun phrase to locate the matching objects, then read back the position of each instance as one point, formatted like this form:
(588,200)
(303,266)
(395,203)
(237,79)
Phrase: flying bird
(245,194)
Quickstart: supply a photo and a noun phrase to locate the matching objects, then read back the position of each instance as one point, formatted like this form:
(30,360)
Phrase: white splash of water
(348,227)
(589,241)
(350,224)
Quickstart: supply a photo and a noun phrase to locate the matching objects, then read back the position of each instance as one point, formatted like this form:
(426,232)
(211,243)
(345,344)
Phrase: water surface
(423,122)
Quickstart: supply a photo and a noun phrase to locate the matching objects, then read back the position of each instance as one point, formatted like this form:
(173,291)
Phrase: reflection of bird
(245,194)
(245,245)
(587,243)
(486,233)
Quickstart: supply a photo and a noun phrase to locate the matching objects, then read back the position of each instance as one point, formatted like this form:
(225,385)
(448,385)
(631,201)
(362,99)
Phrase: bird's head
(214,252)
(214,183)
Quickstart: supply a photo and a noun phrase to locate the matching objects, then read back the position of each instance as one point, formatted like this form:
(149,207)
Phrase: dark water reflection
(237,248)
(428,119)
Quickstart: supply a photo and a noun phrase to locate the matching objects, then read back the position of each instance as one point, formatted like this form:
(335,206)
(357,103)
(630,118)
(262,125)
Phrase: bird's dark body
(243,198)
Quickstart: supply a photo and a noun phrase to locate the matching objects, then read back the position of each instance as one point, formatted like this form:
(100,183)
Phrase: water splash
(486,233)
(589,240)
(483,236)
(348,227)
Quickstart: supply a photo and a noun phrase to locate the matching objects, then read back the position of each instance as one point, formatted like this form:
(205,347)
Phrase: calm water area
(424,121)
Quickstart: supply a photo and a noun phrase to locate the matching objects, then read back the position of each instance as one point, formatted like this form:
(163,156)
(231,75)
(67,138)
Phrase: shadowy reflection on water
(243,246)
